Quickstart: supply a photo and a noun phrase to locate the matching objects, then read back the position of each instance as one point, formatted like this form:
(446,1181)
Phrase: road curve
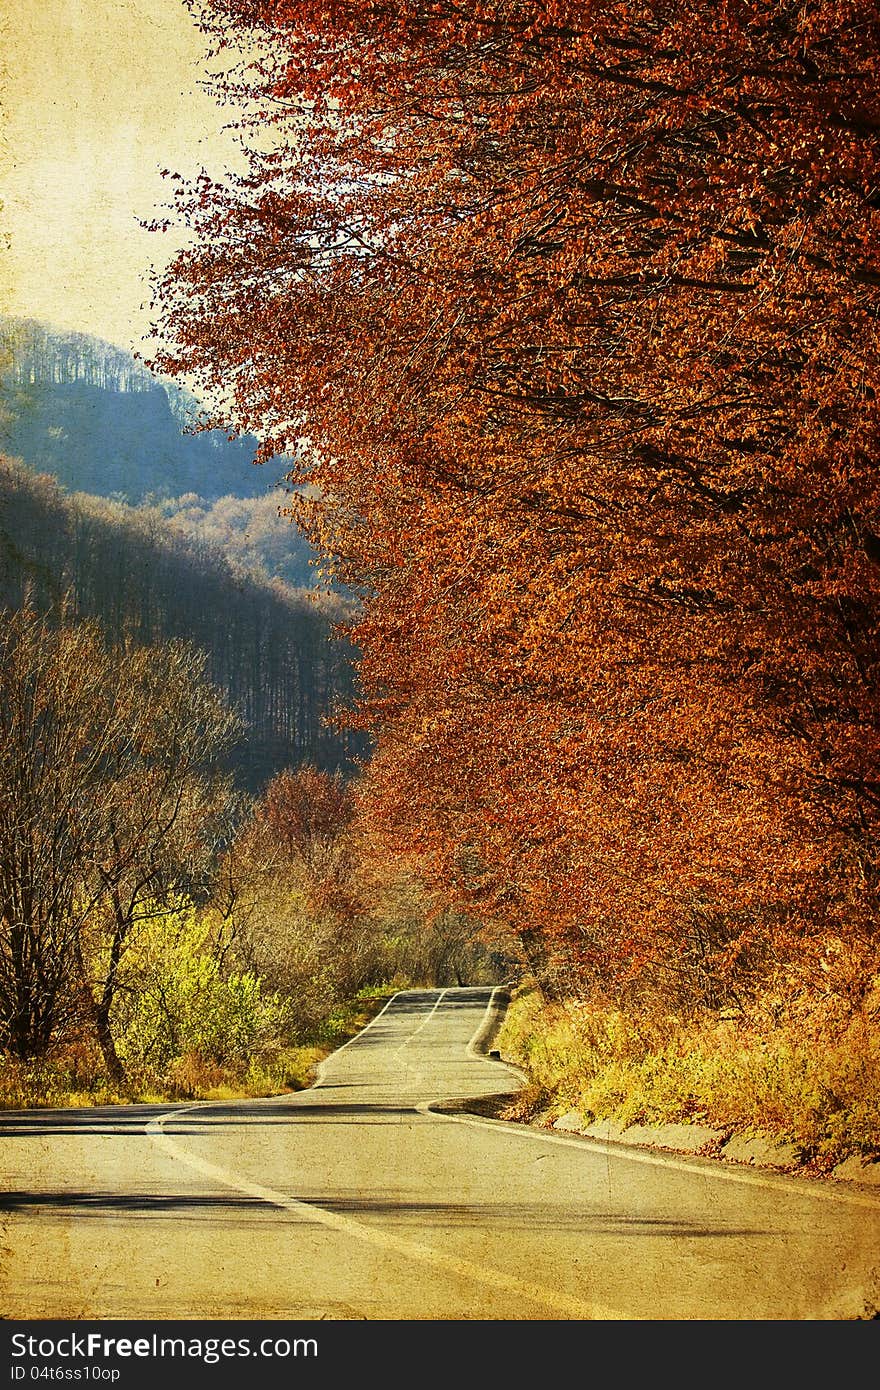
(355,1199)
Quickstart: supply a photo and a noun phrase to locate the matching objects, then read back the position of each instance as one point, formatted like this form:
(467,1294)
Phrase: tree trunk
(115,1069)
(99,1012)
(535,953)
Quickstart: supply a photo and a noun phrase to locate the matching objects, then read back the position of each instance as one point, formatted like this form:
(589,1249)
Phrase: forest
(576,306)
(270,648)
(191,899)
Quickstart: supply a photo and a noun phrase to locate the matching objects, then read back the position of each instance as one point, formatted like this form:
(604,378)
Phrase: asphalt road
(355,1200)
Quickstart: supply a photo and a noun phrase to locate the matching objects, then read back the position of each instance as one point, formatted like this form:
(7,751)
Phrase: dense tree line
(270,648)
(34,354)
(578,305)
(248,531)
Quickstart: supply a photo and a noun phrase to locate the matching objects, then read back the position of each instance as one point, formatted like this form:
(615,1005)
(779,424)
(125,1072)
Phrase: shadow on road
(131,1123)
(117,1119)
(503,1215)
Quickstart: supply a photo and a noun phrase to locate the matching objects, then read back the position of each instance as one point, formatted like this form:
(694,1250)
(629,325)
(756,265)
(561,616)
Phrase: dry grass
(794,1080)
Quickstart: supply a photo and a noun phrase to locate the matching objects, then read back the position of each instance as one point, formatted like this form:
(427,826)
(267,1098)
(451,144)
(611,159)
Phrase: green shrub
(185,1005)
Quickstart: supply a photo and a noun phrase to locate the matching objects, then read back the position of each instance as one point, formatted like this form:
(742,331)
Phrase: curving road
(355,1200)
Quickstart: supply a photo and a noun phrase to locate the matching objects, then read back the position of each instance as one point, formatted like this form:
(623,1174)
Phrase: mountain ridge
(93,417)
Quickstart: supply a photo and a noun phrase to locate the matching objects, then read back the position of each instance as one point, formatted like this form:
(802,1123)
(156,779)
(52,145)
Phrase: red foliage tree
(303,811)
(576,307)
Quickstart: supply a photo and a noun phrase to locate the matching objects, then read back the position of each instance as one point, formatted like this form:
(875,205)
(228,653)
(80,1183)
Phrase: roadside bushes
(186,1005)
(762,1074)
(300,926)
(183,1026)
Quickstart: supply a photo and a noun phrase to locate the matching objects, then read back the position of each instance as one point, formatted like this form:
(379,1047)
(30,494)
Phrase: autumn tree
(51,749)
(576,305)
(109,796)
(287,903)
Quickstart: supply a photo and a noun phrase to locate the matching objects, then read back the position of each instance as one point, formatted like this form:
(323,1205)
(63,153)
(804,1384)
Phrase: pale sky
(97,96)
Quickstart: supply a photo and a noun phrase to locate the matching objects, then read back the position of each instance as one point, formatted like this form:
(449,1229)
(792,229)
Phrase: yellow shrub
(728,1073)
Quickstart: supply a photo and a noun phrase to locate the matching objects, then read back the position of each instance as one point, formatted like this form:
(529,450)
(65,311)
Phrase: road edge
(462,1111)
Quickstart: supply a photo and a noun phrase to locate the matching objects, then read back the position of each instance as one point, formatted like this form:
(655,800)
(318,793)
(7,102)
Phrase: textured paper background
(98,97)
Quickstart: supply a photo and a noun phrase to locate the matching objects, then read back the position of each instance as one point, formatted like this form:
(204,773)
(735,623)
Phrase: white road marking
(472,1050)
(553,1300)
(707,1168)
(413,1071)
(366,1028)
(424,1023)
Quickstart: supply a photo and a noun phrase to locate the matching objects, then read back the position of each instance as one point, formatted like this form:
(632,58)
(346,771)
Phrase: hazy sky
(98,96)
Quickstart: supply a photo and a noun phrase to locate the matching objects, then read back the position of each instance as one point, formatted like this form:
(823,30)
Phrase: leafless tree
(109,800)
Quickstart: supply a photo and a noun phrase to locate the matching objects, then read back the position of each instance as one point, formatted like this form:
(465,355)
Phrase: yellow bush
(724,1072)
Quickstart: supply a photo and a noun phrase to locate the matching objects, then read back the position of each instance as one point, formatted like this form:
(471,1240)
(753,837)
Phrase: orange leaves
(576,306)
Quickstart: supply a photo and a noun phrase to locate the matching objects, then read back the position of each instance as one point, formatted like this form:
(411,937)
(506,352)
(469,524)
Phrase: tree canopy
(575,306)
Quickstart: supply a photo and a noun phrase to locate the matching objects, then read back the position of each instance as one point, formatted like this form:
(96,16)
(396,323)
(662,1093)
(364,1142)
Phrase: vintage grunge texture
(98,98)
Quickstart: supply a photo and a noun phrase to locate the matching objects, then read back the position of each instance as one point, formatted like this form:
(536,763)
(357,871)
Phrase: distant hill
(85,411)
(91,416)
(110,511)
(271,648)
